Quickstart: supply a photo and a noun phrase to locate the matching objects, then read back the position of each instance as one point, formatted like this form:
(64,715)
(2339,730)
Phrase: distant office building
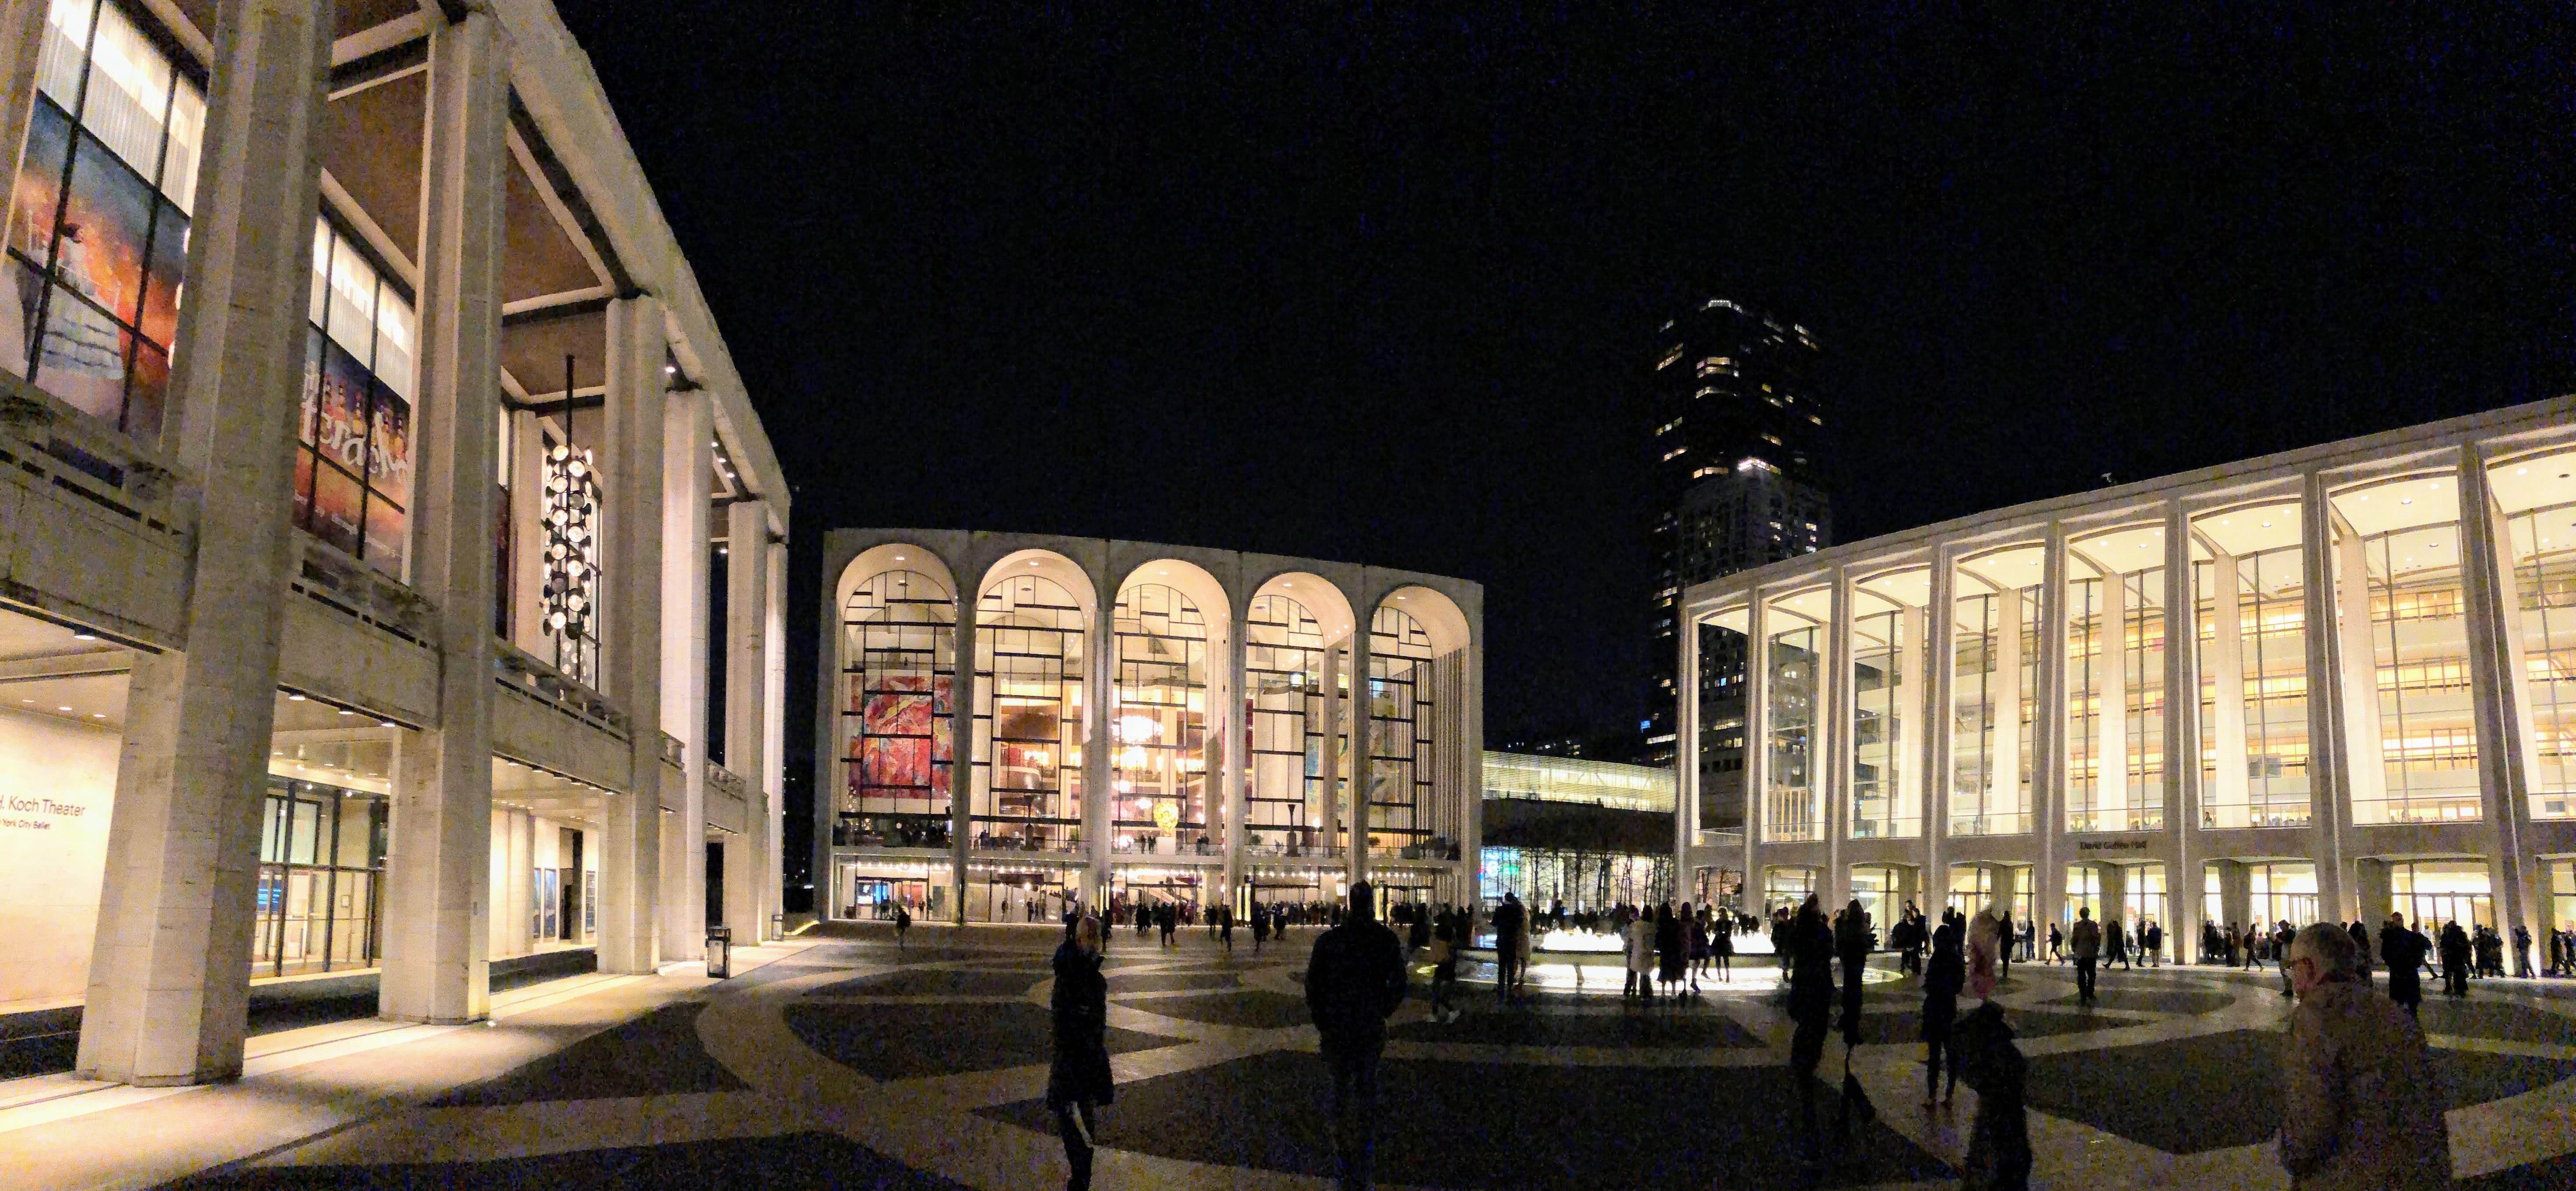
(1738,435)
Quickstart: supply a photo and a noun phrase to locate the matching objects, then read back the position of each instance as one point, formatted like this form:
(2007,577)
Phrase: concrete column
(773,717)
(1361,721)
(527,530)
(1231,766)
(435,964)
(2365,773)
(961,771)
(2496,683)
(2235,894)
(1835,711)
(1940,720)
(1907,704)
(630,862)
(2182,730)
(2329,785)
(1757,744)
(2111,661)
(1099,711)
(2003,766)
(2048,729)
(747,877)
(1686,746)
(22,41)
(2370,883)
(1330,825)
(169,979)
(2231,789)
(1471,847)
(688,476)
(2115,892)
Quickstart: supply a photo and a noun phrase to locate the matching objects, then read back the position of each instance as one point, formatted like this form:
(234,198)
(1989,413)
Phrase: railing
(721,780)
(76,453)
(1272,847)
(1721,839)
(514,668)
(674,752)
(373,597)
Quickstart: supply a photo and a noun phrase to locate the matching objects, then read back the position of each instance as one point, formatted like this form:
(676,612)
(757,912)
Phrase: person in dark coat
(2361,941)
(1672,961)
(1354,979)
(1998,1157)
(2403,950)
(1853,941)
(1078,1082)
(1510,919)
(1942,980)
(2455,960)
(1811,1003)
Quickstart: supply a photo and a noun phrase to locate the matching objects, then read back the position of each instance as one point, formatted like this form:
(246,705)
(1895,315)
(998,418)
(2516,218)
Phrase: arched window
(899,667)
(1283,667)
(1029,659)
(1399,702)
(1160,769)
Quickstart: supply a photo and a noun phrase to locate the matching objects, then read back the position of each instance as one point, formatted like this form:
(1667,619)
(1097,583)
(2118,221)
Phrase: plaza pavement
(843,1063)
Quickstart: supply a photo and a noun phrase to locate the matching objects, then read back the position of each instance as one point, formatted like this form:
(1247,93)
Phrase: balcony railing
(373,597)
(725,782)
(674,752)
(42,435)
(522,672)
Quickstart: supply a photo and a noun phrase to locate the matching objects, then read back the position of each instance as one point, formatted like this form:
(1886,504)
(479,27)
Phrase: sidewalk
(59,1132)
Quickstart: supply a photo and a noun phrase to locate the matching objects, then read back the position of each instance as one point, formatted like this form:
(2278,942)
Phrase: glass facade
(1582,880)
(353,458)
(1793,806)
(2398,547)
(1030,652)
(2083,892)
(1994,680)
(1399,703)
(2282,893)
(1887,800)
(2142,895)
(2431,893)
(1159,770)
(2115,683)
(2543,545)
(98,241)
(1788,885)
(899,666)
(1283,668)
(321,868)
(2253,666)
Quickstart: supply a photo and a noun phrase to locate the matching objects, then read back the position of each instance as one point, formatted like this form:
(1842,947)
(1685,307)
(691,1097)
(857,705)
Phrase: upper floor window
(98,241)
(353,457)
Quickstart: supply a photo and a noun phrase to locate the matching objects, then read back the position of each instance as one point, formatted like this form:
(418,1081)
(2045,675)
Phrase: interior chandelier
(572,561)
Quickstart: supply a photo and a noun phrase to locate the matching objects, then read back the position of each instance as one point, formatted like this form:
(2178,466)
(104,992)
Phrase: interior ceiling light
(295,698)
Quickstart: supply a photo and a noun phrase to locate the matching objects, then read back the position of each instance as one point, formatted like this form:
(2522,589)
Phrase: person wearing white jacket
(1641,955)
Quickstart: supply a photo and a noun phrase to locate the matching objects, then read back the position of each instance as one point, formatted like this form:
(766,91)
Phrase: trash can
(719,953)
(778,926)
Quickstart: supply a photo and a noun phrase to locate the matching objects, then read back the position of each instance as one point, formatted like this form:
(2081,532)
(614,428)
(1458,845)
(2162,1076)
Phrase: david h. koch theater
(2320,685)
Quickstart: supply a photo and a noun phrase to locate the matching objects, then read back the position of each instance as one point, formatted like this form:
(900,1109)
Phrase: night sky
(1361,284)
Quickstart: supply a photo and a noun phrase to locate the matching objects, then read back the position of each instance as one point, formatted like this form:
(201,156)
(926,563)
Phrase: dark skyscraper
(1739,442)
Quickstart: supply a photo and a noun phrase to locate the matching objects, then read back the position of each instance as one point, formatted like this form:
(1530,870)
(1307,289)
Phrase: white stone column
(1231,768)
(527,530)
(2111,711)
(1910,669)
(2003,766)
(22,41)
(1686,745)
(2329,786)
(773,772)
(169,980)
(1471,848)
(2365,773)
(2496,681)
(1757,744)
(1940,743)
(1329,828)
(437,864)
(630,862)
(1836,709)
(2181,734)
(1099,711)
(1362,720)
(961,768)
(2232,780)
(746,876)
(2048,735)
(688,477)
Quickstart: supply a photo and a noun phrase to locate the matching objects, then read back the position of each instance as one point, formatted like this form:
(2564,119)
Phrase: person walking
(2522,951)
(1811,1006)
(902,926)
(1078,1080)
(1998,1157)
(1169,919)
(2360,1106)
(1354,979)
(2455,960)
(1444,970)
(1942,979)
(2056,945)
(2115,944)
(2281,954)
(2087,944)
(1510,920)
(1260,928)
(1721,947)
(2361,946)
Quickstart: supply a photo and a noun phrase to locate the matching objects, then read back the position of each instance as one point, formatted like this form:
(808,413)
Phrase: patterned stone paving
(847,1064)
